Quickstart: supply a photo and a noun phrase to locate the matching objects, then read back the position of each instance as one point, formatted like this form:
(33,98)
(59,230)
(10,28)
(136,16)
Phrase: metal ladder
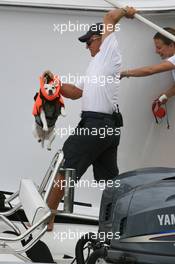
(48,181)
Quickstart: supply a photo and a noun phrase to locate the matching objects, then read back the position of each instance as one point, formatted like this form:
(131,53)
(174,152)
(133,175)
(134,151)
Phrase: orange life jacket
(42,93)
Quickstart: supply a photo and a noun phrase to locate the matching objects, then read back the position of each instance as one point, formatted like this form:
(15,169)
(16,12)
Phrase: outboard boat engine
(137,219)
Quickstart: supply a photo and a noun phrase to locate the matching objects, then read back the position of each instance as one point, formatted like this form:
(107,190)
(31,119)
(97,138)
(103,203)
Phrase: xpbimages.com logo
(85,183)
(76,235)
(101,80)
(101,132)
(70,26)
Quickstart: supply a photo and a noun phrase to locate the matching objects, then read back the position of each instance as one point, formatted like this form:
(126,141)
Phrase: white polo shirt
(101,83)
(172,60)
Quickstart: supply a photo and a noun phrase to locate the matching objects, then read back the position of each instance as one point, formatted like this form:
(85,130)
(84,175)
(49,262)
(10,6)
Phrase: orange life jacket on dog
(42,94)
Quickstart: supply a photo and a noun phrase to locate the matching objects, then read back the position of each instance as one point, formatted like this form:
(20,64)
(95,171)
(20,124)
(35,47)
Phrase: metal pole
(69,190)
(144,20)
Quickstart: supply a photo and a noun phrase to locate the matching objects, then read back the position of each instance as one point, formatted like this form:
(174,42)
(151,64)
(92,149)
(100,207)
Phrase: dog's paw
(63,111)
(45,128)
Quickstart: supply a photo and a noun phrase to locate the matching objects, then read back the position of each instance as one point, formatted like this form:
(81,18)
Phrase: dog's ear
(48,76)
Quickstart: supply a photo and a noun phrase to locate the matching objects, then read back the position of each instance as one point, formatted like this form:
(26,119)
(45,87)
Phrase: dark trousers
(95,143)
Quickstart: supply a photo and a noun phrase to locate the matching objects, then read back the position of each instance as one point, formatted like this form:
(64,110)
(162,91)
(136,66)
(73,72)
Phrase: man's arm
(70,91)
(148,70)
(113,17)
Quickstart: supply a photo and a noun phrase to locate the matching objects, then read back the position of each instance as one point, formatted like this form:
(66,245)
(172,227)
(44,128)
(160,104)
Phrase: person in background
(165,47)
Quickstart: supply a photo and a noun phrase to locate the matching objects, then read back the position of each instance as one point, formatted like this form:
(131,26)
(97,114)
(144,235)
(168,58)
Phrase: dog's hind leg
(42,143)
(63,111)
(35,132)
(43,137)
(51,139)
(44,121)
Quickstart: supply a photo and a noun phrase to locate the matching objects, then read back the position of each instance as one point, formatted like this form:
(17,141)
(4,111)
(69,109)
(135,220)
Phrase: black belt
(89,114)
(116,117)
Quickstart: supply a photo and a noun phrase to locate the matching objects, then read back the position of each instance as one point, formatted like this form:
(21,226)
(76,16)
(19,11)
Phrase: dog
(47,108)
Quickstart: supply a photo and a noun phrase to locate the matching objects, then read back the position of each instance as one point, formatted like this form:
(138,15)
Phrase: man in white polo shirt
(97,135)
(165,47)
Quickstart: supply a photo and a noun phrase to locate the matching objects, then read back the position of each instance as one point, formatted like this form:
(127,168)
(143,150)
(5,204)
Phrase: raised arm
(114,16)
